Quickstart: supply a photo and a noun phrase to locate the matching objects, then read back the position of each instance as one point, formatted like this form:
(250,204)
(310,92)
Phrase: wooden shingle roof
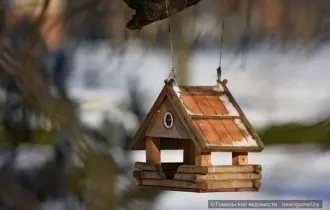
(211,117)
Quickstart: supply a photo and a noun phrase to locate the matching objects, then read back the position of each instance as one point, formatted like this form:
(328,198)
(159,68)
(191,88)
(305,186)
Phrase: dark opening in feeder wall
(168,120)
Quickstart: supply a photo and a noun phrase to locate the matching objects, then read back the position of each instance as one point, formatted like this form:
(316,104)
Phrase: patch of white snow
(176,88)
(219,88)
(240,125)
(246,142)
(229,106)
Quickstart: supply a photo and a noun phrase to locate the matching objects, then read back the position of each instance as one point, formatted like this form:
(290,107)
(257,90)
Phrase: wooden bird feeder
(198,120)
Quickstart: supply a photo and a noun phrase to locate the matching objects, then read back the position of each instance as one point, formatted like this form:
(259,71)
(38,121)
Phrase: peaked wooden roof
(210,115)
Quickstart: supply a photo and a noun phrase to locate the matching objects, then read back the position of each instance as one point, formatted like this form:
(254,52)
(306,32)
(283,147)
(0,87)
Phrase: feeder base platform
(190,178)
(200,191)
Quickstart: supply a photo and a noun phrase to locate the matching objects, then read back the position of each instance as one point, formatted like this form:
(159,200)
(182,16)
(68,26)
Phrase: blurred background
(275,55)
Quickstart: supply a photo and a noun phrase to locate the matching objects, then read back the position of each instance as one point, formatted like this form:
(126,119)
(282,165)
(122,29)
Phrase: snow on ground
(273,86)
(28,156)
(287,174)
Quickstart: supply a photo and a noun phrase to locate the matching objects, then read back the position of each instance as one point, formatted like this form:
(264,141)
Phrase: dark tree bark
(2,17)
(149,11)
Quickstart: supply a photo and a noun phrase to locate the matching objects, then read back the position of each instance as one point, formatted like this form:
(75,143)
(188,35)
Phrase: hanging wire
(245,43)
(219,70)
(173,72)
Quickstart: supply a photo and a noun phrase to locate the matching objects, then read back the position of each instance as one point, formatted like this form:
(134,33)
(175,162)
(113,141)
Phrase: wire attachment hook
(219,75)
(219,69)
(172,77)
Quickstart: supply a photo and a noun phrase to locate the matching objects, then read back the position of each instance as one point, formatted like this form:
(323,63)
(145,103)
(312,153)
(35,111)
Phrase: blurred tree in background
(93,175)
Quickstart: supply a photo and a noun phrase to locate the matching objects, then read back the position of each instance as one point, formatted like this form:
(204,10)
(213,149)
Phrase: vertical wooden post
(202,158)
(240,158)
(188,152)
(153,150)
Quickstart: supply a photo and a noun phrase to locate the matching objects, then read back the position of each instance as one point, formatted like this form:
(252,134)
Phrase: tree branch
(149,11)
(34,34)
(42,15)
(2,17)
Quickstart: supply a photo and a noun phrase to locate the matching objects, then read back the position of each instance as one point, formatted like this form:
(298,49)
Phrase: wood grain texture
(217,177)
(170,189)
(193,157)
(216,132)
(189,152)
(202,158)
(151,167)
(138,181)
(233,130)
(138,140)
(206,185)
(147,175)
(209,133)
(244,118)
(178,124)
(243,128)
(191,104)
(217,105)
(173,184)
(186,119)
(240,158)
(188,169)
(200,89)
(211,128)
(153,174)
(229,184)
(213,117)
(207,126)
(201,191)
(203,105)
(153,150)
(213,135)
(222,148)
(221,130)
(157,128)
(257,184)
(191,93)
